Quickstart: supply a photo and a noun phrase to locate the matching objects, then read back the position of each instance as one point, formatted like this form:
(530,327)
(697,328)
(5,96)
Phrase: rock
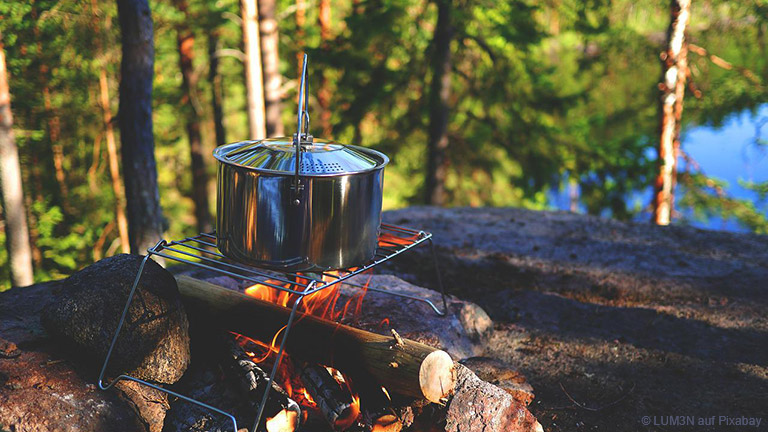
(149,404)
(462,332)
(503,376)
(479,406)
(40,390)
(154,341)
(8,349)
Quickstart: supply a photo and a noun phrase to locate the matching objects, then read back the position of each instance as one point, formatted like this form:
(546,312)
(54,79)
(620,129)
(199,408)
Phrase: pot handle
(302,131)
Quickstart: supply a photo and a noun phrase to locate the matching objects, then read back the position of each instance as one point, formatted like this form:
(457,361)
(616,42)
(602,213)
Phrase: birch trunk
(253,75)
(16,230)
(270,59)
(324,93)
(675,68)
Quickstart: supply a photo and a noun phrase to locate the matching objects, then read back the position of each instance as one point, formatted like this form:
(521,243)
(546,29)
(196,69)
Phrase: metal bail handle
(302,129)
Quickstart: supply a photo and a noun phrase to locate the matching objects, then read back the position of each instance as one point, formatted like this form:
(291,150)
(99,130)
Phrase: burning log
(281,414)
(409,368)
(333,398)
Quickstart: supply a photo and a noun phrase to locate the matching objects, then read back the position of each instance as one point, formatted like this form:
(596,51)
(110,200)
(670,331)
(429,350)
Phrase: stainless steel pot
(299,204)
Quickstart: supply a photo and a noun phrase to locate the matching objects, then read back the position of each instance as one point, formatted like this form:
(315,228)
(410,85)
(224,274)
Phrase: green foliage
(543,93)
(706,198)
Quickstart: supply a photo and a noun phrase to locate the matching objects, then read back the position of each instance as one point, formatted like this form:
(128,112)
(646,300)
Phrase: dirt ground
(618,327)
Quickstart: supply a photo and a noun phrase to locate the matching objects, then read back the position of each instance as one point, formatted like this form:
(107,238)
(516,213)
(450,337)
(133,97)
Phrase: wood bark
(217,93)
(114,170)
(269,37)
(14,210)
(324,92)
(333,398)
(253,73)
(186,42)
(409,368)
(672,87)
(109,131)
(440,92)
(145,217)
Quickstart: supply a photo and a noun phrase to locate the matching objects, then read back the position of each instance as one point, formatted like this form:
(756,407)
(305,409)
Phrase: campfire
(320,390)
(328,372)
(299,233)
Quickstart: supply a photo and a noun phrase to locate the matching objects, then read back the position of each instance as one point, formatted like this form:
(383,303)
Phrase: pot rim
(217,153)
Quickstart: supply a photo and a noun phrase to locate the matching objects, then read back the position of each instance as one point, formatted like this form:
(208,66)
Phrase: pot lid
(321,157)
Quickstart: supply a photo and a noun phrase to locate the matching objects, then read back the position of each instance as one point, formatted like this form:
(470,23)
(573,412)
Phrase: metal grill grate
(200,251)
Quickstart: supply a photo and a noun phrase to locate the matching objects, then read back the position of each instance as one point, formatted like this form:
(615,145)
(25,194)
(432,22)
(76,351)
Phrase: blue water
(732,153)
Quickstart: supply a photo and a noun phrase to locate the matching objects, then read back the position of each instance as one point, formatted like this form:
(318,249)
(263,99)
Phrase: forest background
(555,96)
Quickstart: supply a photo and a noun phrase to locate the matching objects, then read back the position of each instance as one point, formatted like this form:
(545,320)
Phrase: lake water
(729,153)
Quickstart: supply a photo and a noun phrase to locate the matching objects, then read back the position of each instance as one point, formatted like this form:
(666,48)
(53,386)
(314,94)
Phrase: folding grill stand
(201,248)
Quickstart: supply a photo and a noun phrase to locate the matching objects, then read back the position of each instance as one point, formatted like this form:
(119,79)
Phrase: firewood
(409,368)
(281,414)
(332,397)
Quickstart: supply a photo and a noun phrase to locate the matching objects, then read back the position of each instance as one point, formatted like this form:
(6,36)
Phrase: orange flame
(323,304)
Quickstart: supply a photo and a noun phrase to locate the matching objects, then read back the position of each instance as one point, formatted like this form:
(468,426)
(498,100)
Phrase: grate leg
(277,361)
(439,277)
(121,377)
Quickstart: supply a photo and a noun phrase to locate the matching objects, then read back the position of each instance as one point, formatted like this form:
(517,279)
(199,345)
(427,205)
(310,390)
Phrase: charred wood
(281,414)
(332,397)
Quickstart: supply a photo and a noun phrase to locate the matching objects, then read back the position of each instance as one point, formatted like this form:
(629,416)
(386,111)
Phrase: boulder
(154,341)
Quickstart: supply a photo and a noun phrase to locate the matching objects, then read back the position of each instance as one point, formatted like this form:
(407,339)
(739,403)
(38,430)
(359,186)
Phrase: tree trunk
(271,61)
(109,130)
(324,93)
(217,95)
(16,230)
(672,86)
(440,91)
(54,134)
(114,170)
(54,123)
(300,19)
(145,217)
(253,76)
(186,43)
